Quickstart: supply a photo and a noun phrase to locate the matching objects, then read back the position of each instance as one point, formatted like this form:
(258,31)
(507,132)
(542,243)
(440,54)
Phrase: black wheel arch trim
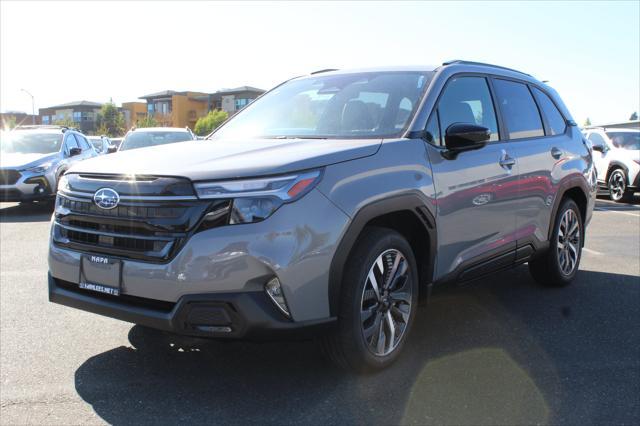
(566,185)
(413,202)
(617,165)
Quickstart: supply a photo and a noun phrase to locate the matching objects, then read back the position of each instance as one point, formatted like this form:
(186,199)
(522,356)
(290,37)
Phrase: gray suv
(33,158)
(330,207)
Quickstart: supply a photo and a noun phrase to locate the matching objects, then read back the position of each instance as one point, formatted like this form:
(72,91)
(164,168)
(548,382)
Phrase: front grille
(147,229)
(9,177)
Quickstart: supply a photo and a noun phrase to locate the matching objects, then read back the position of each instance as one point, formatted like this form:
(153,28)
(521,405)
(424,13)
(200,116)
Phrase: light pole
(33,106)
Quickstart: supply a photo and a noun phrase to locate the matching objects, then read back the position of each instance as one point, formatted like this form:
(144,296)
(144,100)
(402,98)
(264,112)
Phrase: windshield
(362,105)
(625,140)
(143,139)
(97,143)
(30,143)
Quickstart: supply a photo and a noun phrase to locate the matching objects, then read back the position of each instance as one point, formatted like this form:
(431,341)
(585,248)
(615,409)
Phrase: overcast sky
(62,52)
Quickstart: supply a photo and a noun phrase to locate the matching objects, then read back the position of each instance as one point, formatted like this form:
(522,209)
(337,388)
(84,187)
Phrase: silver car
(101,144)
(34,157)
(329,207)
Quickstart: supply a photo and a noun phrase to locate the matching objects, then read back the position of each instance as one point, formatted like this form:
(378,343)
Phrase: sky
(97,51)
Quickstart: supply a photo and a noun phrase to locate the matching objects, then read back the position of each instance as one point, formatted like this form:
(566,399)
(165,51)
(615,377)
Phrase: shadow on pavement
(28,212)
(503,351)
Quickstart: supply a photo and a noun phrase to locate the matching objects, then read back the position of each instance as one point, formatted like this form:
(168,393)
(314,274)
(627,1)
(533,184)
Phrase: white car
(616,154)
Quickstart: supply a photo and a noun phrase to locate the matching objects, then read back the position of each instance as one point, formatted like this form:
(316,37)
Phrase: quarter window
(557,125)
(71,142)
(468,100)
(519,110)
(433,129)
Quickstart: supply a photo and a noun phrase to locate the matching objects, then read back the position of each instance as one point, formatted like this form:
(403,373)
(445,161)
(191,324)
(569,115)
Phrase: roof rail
(324,70)
(463,62)
(46,126)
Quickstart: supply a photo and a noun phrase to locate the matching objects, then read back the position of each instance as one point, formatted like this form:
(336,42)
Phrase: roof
(77,104)
(613,125)
(240,89)
(164,93)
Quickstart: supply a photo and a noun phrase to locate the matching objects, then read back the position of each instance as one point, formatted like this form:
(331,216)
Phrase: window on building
(150,108)
(557,125)
(77,116)
(241,103)
(519,110)
(45,119)
(468,100)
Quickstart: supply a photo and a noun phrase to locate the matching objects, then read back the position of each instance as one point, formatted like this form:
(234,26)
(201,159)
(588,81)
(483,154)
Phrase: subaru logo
(106,198)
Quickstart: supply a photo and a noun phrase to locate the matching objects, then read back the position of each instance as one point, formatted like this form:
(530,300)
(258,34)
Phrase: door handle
(556,153)
(506,161)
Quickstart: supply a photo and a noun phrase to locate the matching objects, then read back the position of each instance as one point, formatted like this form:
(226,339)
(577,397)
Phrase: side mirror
(74,151)
(465,136)
(599,147)
(112,149)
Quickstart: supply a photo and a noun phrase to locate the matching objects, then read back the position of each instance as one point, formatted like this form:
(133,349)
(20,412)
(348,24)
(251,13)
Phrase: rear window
(519,110)
(557,125)
(136,140)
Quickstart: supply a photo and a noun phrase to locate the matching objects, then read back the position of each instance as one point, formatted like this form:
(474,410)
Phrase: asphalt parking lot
(499,351)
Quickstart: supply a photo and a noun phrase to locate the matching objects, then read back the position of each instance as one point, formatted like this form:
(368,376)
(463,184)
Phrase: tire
(392,307)
(558,266)
(617,187)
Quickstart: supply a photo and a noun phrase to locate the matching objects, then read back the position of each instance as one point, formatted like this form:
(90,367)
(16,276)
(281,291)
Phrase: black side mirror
(599,147)
(466,136)
(74,151)
(112,149)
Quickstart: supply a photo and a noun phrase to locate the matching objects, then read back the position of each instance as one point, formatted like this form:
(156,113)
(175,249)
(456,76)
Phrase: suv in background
(101,144)
(617,160)
(329,207)
(34,157)
(153,136)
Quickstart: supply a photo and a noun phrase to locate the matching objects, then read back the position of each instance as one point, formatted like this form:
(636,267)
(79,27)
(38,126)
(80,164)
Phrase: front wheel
(559,265)
(617,185)
(378,302)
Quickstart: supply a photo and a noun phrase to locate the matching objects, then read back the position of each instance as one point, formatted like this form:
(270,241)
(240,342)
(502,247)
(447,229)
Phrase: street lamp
(33,106)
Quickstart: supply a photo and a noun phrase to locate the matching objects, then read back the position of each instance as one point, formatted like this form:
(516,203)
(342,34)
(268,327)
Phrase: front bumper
(29,187)
(246,315)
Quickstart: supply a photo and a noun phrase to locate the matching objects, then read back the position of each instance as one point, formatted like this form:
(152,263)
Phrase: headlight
(40,168)
(254,200)
(63,183)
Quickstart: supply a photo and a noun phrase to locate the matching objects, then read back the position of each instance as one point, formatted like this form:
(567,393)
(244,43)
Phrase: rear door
(540,139)
(475,190)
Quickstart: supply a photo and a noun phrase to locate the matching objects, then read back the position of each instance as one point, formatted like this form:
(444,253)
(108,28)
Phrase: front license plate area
(101,274)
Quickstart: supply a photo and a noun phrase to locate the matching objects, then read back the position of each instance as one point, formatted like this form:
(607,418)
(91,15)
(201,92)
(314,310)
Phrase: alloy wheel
(386,302)
(617,185)
(568,244)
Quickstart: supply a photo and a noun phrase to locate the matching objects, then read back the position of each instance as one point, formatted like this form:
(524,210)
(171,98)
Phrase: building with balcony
(176,109)
(231,100)
(84,114)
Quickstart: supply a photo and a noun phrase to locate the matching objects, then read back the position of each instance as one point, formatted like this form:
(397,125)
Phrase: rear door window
(519,110)
(557,125)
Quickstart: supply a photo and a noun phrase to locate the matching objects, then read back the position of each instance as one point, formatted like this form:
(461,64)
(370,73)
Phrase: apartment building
(83,113)
(133,112)
(232,100)
(176,109)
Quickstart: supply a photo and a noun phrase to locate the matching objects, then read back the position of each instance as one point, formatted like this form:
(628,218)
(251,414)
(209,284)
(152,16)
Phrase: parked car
(100,143)
(153,136)
(34,157)
(315,210)
(617,159)
(115,143)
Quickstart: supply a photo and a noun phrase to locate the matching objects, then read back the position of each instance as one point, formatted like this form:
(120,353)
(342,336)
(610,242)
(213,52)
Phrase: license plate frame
(100,274)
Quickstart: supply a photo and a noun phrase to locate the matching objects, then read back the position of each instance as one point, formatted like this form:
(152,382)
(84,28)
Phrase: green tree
(110,120)
(10,122)
(634,116)
(66,121)
(210,122)
(148,121)
(587,122)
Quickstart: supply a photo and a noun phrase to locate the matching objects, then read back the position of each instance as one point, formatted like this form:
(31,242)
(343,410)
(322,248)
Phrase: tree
(66,122)
(587,122)
(110,120)
(9,122)
(148,121)
(210,122)
(633,117)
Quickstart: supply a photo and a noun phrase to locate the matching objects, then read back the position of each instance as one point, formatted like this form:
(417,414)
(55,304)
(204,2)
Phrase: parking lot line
(597,253)
(627,212)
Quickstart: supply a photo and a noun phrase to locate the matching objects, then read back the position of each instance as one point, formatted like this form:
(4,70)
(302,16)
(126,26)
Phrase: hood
(22,161)
(225,159)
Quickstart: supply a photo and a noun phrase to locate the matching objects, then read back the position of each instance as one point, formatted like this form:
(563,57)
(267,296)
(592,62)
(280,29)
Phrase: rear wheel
(559,265)
(617,186)
(378,302)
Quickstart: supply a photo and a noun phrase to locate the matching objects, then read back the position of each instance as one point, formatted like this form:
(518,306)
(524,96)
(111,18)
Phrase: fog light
(274,291)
